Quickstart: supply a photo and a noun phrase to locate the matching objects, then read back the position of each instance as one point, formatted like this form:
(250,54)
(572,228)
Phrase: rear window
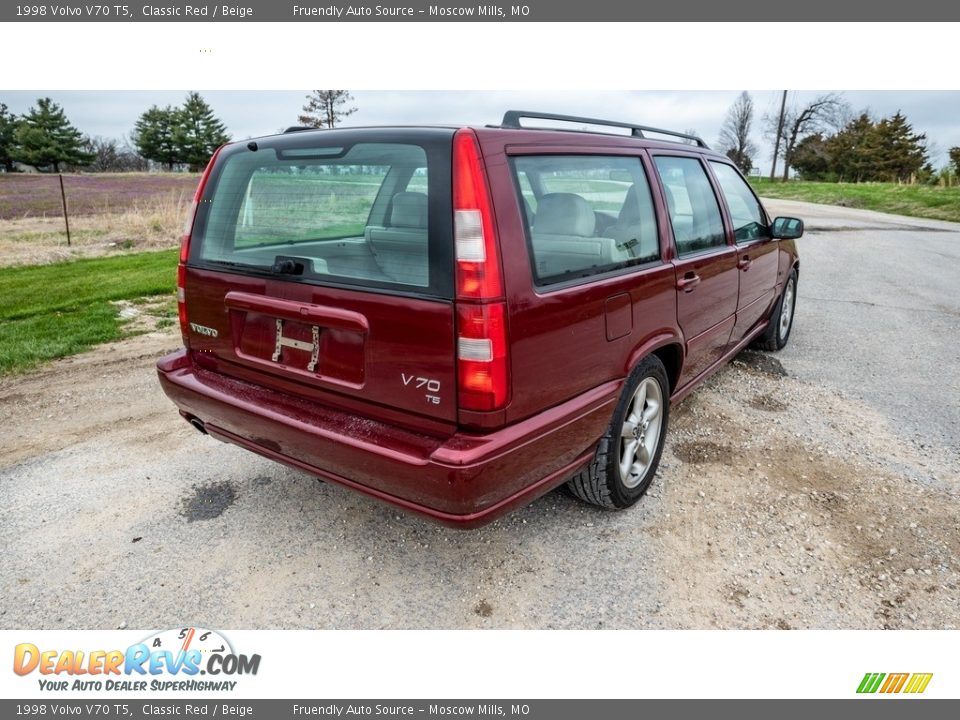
(585,214)
(358,215)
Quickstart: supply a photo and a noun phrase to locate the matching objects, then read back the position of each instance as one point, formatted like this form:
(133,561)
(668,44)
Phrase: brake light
(474,231)
(482,356)
(185,249)
(482,363)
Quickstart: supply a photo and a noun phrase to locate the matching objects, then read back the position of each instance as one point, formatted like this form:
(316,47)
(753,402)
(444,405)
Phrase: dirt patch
(736,594)
(807,523)
(703,452)
(483,609)
(110,391)
(768,403)
(761,362)
(147,314)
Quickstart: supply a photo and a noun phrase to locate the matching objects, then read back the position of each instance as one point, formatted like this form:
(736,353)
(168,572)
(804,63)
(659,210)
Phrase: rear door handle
(688,282)
(745,263)
(325,316)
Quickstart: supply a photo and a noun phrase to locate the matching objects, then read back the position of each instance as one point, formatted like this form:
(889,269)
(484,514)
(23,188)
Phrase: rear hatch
(320,264)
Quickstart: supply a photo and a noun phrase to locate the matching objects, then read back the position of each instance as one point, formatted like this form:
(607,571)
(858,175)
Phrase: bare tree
(823,113)
(735,133)
(110,155)
(326,108)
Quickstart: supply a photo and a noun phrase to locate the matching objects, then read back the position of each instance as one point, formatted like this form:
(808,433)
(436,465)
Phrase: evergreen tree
(903,153)
(811,158)
(865,150)
(326,108)
(198,132)
(45,137)
(955,159)
(8,129)
(153,136)
(854,151)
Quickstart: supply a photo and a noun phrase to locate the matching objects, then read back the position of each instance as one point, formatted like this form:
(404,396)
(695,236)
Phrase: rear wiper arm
(285,265)
(230,263)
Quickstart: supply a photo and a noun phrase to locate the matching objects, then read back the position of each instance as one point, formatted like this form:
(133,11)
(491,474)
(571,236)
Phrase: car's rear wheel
(781,319)
(627,457)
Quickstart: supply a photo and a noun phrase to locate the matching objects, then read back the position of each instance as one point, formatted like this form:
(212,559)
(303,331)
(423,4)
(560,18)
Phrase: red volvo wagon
(456,320)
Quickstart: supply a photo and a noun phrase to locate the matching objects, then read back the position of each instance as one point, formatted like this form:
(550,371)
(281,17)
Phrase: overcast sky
(254,113)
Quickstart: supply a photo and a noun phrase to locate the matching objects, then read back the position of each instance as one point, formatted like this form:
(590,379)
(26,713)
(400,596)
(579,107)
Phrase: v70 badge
(432,386)
(312,348)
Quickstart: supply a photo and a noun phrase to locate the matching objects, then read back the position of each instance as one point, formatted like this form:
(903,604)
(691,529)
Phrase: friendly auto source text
(353,11)
(334,710)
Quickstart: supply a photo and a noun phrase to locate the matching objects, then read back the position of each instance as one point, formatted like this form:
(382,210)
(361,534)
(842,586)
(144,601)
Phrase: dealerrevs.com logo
(168,660)
(910,683)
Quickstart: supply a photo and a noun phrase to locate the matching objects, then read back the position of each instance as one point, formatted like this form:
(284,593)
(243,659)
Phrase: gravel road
(814,488)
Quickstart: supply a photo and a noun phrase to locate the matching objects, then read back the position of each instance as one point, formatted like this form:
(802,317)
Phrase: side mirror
(787,228)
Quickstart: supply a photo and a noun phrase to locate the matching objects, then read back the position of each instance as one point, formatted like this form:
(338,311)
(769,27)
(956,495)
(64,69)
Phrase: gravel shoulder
(787,498)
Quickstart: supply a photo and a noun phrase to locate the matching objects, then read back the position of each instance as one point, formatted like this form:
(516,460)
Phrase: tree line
(181,136)
(45,139)
(822,139)
(865,150)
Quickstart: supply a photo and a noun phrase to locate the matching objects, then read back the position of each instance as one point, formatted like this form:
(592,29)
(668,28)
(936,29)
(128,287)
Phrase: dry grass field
(109,213)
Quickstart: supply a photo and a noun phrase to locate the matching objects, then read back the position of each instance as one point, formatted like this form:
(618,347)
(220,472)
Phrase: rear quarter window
(585,215)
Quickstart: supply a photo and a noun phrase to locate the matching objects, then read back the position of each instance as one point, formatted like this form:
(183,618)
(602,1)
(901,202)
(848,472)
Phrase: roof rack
(511,119)
(298,128)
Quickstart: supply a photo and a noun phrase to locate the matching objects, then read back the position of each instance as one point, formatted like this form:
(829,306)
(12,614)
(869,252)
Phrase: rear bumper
(463,480)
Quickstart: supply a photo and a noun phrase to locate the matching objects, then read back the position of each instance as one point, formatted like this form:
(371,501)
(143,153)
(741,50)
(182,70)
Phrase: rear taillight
(185,250)
(482,363)
(482,356)
(478,263)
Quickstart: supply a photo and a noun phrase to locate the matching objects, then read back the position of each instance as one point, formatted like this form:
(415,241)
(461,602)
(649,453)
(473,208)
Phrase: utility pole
(776,145)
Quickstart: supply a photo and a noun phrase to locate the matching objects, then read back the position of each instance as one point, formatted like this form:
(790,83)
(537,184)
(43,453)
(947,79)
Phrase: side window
(694,211)
(749,221)
(593,214)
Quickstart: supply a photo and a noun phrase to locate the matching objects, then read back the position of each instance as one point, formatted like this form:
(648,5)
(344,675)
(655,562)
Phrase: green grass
(292,208)
(924,201)
(51,311)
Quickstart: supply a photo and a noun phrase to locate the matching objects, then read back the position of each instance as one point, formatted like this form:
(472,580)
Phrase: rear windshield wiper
(285,265)
(230,263)
(282,265)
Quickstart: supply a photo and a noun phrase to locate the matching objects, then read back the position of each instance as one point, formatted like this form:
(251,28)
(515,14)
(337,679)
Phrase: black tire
(776,335)
(601,483)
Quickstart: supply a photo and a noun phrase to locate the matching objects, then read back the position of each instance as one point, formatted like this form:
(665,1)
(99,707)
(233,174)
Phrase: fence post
(63,199)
